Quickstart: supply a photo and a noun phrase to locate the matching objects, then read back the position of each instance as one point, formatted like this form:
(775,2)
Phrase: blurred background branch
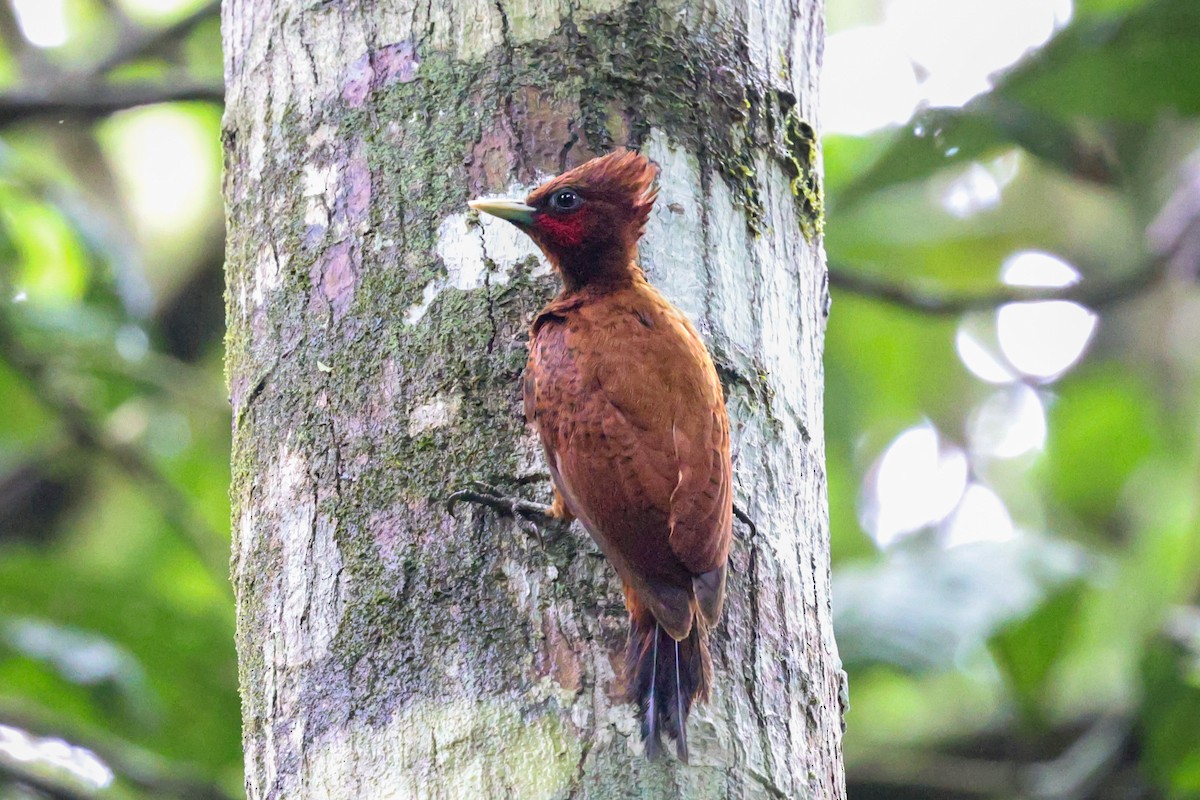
(136,42)
(940,303)
(90,102)
(132,765)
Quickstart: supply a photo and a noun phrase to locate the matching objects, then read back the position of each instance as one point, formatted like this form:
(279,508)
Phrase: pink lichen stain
(394,63)
(557,658)
(548,125)
(355,202)
(407,526)
(491,161)
(239,387)
(356,85)
(386,527)
(334,276)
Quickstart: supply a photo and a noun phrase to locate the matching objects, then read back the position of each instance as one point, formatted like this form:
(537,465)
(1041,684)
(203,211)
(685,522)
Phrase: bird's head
(588,220)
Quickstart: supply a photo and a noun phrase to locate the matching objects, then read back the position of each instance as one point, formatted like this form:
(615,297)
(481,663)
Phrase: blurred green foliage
(1062,660)
(985,669)
(116,619)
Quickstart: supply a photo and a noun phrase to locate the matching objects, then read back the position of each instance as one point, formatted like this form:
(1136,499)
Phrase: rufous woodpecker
(625,399)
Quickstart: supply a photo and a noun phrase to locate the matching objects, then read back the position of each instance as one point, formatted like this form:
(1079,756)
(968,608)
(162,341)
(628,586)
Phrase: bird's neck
(600,273)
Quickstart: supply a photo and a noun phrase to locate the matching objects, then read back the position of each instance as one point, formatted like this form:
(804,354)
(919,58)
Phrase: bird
(626,401)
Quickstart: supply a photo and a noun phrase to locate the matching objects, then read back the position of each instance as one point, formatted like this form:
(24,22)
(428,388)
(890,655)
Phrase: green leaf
(1027,649)
(1133,67)
(941,137)
(1098,8)
(935,139)
(1101,428)
(1169,714)
(872,352)
(51,260)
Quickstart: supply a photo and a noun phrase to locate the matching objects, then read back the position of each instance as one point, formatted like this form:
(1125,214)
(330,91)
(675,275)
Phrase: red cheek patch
(563,231)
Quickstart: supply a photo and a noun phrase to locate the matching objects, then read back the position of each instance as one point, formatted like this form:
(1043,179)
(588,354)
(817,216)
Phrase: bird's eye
(566,200)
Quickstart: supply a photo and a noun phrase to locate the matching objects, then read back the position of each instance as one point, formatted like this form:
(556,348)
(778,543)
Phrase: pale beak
(512,210)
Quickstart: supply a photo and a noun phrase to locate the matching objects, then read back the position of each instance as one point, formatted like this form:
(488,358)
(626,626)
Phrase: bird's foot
(543,522)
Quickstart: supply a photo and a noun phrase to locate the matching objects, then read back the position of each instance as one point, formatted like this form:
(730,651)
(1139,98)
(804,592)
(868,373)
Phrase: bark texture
(390,649)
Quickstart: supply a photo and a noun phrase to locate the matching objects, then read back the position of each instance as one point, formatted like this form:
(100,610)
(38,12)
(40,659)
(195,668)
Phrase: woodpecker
(625,399)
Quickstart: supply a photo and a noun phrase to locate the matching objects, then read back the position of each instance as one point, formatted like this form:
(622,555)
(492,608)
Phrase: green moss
(661,76)
(801,161)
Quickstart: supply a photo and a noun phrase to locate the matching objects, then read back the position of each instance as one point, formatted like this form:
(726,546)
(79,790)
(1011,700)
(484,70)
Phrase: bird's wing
(630,413)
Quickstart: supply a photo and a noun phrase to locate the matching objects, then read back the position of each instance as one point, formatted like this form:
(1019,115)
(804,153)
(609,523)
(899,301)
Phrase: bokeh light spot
(981,516)
(915,483)
(43,23)
(1042,339)
(1009,423)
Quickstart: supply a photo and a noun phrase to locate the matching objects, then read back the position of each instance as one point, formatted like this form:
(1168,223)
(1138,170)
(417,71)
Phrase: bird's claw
(485,495)
(746,519)
(531,517)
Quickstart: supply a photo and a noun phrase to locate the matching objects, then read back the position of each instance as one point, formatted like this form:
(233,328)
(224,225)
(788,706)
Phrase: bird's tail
(664,677)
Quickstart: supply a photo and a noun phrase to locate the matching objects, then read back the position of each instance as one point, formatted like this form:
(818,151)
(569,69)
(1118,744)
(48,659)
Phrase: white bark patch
(312,593)
(244,543)
(473,28)
(735,277)
(416,312)
(695,247)
(461,249)
(768,28)
(267,272)
(523,584)
(318,185)
(477,251)
(318,179)
(671,251)
(482,252)
(316,216)
(437,413)
(782,294)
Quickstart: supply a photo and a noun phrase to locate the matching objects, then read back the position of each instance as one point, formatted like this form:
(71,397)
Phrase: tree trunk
(389,647)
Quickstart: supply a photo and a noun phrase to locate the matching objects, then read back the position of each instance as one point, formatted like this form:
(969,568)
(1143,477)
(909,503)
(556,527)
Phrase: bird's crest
(623,176)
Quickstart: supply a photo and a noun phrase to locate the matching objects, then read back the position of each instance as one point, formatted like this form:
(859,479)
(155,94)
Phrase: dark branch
(1091,760)
(145,43)
(1093,294)
(93,102)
